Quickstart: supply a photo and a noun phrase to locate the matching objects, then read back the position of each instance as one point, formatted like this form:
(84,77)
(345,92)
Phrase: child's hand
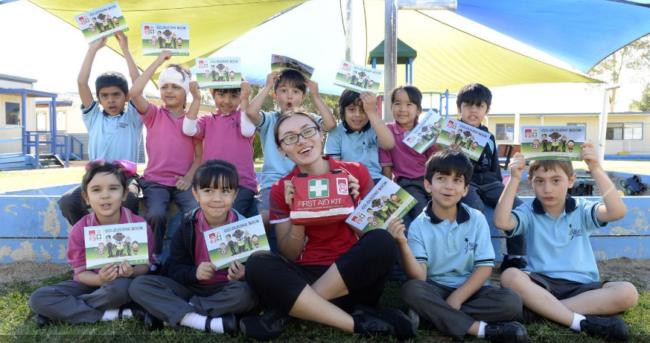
(122,40)
(288,192)
(236,271)
(453,302)
(369,101)
(517,165)
(205,271)
(164,56)
(245,90)
(194,90)
(125,270)
(270,79)
(98,44)
(353,185)
(182,183)
(108,273)
(590,156)
(397,229)
(313,87)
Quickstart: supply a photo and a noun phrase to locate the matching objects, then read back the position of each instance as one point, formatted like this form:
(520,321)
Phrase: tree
(634,56)
(644,103)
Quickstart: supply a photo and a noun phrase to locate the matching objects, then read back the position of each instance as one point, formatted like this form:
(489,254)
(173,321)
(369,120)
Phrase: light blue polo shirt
(276,165)
(112,137)
(451,250)
(560,247)
(356,146)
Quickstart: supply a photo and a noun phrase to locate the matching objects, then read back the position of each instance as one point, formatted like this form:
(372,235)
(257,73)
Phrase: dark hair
(291,77)
(547,165)
(348,98)
(216,174)
(234,91)
(474,94)
(100,166)
(290,114)
(449,162)
(412,92)
(111,79)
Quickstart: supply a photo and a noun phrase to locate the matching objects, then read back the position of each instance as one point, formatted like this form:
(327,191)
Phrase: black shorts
(562,288)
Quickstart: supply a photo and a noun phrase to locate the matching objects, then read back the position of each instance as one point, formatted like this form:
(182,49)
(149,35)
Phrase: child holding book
(561,282)
(360,133)
(228,134)
(401,163)
(486,186)
(448,256)
(113,124)
(194,293)
(101,294)
(173,156)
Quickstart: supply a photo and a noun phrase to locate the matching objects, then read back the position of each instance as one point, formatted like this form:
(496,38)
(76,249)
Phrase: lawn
(16,324)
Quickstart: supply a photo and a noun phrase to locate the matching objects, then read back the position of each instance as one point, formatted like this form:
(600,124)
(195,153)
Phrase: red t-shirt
(323,243)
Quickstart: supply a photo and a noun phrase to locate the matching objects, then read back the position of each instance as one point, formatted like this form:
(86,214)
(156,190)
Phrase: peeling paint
(641,220)
(620,231)
(24,253)
(51,222)
(46,255)
(601,255)
(5,251)
(26,206)
(9,209)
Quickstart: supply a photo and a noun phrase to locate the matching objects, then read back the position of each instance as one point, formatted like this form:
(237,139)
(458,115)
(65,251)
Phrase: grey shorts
(264,199)
(562,288)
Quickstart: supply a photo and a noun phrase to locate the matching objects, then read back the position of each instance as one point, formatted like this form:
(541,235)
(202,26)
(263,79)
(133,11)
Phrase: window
(577,124)
(620,131)
(41,121)
(505,132)
(12,113)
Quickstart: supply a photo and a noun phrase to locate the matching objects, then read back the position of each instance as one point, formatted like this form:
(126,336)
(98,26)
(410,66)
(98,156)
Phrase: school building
(625,134)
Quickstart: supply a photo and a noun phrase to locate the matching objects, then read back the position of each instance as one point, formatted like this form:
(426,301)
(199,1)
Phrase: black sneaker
(151,323)
(229,324)
(506,332)
(41,321)
(515,262)
(403,326)
(269,325)
(610,328)
(368,325)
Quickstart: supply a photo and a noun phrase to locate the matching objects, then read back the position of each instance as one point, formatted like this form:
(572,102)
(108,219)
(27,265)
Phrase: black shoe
(403,326)
(506,332)
(229,324)
(151,323)
(368,325)
(610,328)
(41,321)
(269,325)
(515,262)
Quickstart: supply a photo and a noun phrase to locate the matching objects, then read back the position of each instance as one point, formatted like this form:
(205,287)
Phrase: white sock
(127,313)
(196,321)
(575,324)
(481,329)
(216,325)
(110,315)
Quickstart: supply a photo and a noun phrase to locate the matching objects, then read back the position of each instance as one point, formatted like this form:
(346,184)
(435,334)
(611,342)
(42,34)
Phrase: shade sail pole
(390,54)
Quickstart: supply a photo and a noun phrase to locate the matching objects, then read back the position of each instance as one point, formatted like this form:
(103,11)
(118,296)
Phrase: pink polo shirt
(201,250)
(77,247)
(170,151)
(405,161)
(222,140)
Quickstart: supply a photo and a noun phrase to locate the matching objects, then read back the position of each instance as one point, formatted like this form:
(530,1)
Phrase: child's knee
(512,303)
(513,277)
(627,294)
(412,292)
(118,291)
(36,299)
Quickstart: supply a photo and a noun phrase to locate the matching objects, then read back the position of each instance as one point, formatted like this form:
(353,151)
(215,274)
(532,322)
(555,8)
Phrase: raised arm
(135,93)
(253,109)
(124,46)
(385,138)
(614,207)
(189,122)
(503,217)
(329,122)
(247,126)
(85,93)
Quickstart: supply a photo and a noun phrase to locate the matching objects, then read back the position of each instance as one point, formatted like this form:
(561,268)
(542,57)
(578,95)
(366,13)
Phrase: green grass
(16,324)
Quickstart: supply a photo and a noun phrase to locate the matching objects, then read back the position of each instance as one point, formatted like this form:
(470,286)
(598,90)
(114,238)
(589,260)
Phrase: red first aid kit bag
(321,199)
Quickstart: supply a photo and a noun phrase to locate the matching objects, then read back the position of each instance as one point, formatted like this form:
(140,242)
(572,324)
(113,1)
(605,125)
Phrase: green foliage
(644,103)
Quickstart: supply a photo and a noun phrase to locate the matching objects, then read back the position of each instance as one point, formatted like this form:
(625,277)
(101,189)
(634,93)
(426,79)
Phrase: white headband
(173,76)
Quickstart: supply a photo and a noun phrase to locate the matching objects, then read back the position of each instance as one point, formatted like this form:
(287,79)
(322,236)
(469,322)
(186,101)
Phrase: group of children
(327,273)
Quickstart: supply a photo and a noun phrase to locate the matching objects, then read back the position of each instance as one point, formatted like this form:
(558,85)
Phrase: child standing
(401,163)
(194,293)
(561,282)
(473,103)
(360,133)
(449,258)
(173,157)
(114,132)
(93,295)
(228,135)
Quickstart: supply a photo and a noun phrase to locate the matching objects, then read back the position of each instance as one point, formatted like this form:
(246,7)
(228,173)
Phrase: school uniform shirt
(201,250)
(222,140)
(358,146)
(451,250)
(112,137)
(559,247)
(405,161)
(170,152)
(76,252)
(323,243)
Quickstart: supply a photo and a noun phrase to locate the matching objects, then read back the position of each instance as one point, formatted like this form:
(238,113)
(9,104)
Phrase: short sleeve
(149,116)
(266,121)
(385,158)
(334,140)
(484,253)
(200,127)
(589,211)
(77,250)
(416,242)
(133,115)
(523,216)
(90,114)
(279,209)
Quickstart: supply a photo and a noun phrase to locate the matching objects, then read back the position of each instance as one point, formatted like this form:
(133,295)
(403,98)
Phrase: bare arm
(85,93)
(471,285)
(413,268)
(291,239)
(135,93)
(247,126)
(328,118)
(387,171)
(106,274)
(614,207)
(253,110)
(385,138)
(124,46)
(503,217)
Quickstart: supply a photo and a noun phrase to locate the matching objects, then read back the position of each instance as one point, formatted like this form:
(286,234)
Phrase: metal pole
(602,123)
(348,31)
(390,54)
